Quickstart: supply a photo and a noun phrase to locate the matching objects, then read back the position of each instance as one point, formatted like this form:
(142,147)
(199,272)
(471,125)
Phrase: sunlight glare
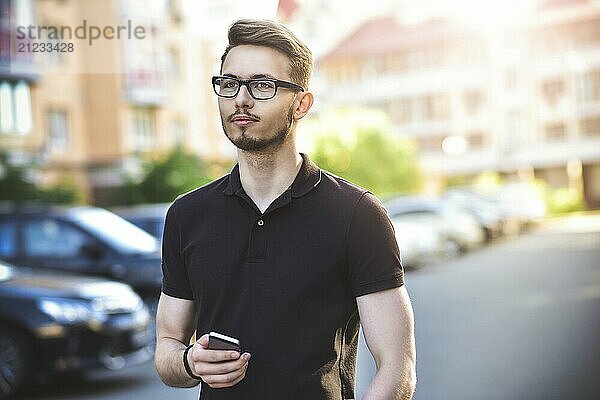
(491,14)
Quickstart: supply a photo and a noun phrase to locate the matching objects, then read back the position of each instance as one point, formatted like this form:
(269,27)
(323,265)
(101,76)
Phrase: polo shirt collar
(307,178)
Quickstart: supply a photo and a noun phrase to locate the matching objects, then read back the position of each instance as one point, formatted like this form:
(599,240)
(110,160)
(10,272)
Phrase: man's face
(250,124)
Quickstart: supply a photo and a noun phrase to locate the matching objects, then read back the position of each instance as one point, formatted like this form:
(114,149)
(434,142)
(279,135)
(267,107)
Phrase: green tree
(164,179)
(14,182)
(16,185)
(357,145)
(65,191)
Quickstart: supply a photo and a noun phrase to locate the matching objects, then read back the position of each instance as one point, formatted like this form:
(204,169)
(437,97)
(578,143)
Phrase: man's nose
(243,98)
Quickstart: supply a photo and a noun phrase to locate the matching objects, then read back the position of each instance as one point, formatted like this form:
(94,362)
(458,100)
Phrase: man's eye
(229,84)
(264,85)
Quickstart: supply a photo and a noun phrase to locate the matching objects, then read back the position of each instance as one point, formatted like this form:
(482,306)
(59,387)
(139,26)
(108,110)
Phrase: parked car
(489,217)
(83,240)
(516,206)
(149,217)
(524,201)
(512,219)
(56,324)
(458,225)
(421,240)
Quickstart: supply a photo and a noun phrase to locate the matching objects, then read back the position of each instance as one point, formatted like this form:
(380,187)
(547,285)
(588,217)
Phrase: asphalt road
(519,319)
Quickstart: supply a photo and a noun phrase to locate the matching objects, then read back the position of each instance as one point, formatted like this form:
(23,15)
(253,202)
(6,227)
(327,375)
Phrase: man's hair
(262,32)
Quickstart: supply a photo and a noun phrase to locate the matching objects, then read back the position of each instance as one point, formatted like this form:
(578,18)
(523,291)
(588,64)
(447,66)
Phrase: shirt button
(261,222)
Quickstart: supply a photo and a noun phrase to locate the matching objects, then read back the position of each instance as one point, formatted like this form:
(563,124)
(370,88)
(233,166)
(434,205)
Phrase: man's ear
(304,102)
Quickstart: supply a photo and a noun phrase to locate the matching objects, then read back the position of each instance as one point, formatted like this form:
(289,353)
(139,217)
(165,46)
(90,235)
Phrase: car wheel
(451,249)
(15,362)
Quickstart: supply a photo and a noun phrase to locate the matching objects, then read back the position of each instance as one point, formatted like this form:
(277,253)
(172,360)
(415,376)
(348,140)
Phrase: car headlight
(124,302)
(70,311)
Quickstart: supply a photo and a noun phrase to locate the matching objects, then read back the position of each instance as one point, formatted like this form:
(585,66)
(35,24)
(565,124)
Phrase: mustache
(242,114)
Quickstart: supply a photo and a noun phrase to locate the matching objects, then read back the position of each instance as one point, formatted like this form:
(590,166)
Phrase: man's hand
(217,368)
(175,325)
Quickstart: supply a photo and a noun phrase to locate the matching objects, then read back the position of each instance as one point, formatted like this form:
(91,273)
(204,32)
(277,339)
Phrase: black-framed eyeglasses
(259,89)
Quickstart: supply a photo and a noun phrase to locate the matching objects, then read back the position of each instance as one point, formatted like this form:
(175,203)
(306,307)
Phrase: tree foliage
(17,184)
(166,178)
(358,146)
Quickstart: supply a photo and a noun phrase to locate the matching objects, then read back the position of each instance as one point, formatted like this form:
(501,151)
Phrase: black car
(149,217)
(82,240)
(54,324)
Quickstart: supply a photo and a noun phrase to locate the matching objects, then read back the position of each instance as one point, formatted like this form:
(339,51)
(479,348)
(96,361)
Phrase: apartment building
(94,113)
(524,100)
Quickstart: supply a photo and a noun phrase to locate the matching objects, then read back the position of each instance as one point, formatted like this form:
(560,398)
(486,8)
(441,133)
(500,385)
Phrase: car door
(8,239)
(51,243)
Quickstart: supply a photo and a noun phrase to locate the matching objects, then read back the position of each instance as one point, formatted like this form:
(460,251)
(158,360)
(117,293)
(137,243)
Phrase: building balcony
(559,111)
(16,61)
(381,87)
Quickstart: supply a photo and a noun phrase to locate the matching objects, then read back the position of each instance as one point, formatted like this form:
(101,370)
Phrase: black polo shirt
(284,282)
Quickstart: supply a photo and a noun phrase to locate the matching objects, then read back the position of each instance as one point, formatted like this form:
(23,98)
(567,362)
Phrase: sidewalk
(577,223)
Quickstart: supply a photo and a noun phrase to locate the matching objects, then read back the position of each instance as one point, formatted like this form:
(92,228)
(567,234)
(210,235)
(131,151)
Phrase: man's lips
(243,120)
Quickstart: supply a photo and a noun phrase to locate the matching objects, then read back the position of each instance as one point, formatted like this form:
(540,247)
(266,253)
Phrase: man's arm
(175,320)
(174,327)
(388,325)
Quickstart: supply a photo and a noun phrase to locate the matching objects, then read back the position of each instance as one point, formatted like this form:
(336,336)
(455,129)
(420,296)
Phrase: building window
(176,10)
(53,58)
(586,33)
(370,68)
(514,133)
(394,62)
(143,129)
(472,100)
(590,127)
(470,52)
(177,130)
(511,78)
(173,64)
(475,140)
(15,107)
(588,87)
(432,108)
(7,120)
(15,13)
(555,132)
(438,107)
(426,57)
(58,130)
(432,144)
(553,90)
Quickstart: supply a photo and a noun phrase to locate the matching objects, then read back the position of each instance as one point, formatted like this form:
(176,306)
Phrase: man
(279,254)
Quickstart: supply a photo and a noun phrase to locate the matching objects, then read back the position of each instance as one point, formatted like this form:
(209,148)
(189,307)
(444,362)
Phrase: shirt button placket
(258,242)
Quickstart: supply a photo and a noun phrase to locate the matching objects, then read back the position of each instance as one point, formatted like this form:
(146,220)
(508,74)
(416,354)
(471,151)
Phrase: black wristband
(186,365)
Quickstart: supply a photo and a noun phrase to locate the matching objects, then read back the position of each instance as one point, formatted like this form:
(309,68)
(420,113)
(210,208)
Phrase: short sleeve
(372,250)
(175,277)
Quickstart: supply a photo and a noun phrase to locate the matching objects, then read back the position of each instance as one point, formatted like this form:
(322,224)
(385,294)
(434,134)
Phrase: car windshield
(123,235)
(6,272)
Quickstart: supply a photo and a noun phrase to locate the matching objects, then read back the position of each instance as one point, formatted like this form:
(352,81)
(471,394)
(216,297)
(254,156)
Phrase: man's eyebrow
(258,76)
(255,76)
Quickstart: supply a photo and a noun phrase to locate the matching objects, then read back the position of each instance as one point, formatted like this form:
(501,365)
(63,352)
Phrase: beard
(249,143)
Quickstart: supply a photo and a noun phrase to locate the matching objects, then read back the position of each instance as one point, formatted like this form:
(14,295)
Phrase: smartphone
(218,341)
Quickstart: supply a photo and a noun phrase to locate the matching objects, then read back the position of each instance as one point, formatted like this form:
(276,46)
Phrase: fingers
(226,380)
(214,356)
(204,354)
(217,368)
(203,341)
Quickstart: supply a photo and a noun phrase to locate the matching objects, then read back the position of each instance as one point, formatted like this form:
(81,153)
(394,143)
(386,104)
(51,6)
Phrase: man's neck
(266,175)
